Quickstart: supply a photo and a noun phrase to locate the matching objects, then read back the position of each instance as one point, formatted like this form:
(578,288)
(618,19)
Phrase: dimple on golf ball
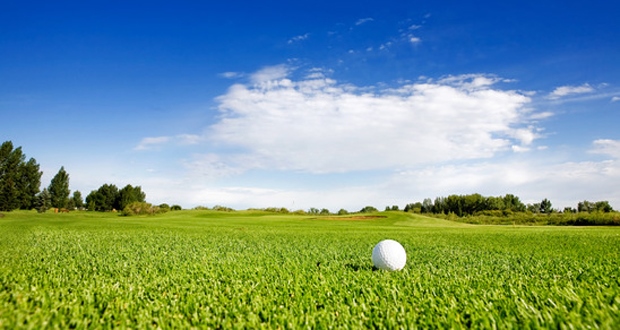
(389,255)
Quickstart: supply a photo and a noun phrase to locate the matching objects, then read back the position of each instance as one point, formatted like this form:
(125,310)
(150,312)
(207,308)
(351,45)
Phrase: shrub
(142,208)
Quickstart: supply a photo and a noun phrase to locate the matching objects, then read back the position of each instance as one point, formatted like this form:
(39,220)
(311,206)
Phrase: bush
(369,209)
(175,208)
(222,208)
(141,208)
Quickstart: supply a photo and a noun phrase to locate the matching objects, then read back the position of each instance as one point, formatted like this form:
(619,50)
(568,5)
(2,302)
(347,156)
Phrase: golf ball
(389,255)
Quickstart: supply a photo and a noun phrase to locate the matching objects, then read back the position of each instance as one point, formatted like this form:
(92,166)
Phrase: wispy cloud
(156,142)
(364,20)
(615,99)
(298,38)
(150,142)
(231,74)
(570,90)
(414,39)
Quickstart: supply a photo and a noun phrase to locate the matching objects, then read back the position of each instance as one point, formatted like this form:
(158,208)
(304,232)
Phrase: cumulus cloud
(570,90)
(615,99)
(322,126)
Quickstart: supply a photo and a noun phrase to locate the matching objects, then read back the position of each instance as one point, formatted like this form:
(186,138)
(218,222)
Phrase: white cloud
(270,73)
(615,99)
(154,142)
(414,40)
(320,126)
(570,90)
(230,75)
(607,147)
(150,142)
(298,38)
(364,20)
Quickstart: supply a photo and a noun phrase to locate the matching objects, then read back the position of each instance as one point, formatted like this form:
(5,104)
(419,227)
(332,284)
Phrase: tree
(545,206)
(369,209)
(129,195)
(77,200)
(9,174)
(106,198)
(30,182)
(427,206)
(59,189)
(603,206)
(43,202)
(512,202)
(19,180)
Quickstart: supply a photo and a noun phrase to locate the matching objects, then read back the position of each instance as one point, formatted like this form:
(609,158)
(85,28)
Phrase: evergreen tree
(9,164)
(43,201)
(59,189)
(19,180)
(29,184)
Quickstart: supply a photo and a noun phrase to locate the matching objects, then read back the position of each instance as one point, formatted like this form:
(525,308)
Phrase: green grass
(253,269)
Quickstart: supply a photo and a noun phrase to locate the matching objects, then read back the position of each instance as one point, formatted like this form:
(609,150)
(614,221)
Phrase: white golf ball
(389,255)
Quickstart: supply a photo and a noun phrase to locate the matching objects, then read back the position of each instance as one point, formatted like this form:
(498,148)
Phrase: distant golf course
(255,269)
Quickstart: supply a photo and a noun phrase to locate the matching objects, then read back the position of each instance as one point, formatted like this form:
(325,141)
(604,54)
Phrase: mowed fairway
(207,269)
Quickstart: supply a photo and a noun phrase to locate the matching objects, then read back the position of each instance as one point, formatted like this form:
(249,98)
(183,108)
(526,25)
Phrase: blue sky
(303,104)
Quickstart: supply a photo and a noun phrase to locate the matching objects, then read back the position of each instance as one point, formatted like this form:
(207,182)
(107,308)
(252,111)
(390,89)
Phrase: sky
(324,104)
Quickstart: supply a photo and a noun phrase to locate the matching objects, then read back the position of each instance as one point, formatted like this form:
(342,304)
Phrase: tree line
(476,204)
(20,188)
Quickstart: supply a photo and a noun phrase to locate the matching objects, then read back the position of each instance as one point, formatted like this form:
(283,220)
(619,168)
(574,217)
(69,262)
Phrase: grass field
(207,269)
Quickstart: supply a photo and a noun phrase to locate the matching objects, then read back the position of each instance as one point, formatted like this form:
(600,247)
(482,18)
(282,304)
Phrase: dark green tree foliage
(29,183)
(77,200)
(369,209)
(129,195)
(601,206)
(59,189)
(545,206)
(108,197)
(463,205)
(43,201)
(19,180)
